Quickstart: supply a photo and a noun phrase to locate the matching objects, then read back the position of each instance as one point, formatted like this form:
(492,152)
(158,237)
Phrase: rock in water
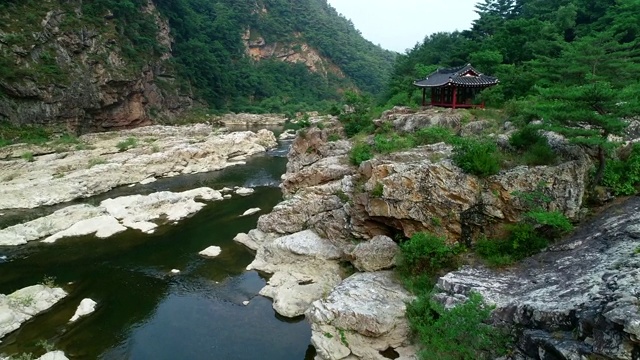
(175,271)
(244,191)
(251,211)
(211,252)
(22,305)
(53,355)
(86,307)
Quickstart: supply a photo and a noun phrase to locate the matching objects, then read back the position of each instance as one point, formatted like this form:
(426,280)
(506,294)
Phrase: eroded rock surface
(360,318)
(379,253)
(140,212)
(154,151)
(579,299)
(20,306)
(304,267)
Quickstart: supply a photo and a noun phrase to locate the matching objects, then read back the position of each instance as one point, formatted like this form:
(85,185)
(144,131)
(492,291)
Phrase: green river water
(145,313)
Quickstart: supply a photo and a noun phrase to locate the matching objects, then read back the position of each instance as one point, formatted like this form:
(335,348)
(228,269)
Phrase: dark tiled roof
(455,76)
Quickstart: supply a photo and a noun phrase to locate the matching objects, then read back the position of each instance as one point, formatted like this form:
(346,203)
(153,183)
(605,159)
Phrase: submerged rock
(22,305)
(579,298)
(360,318)
(86,307)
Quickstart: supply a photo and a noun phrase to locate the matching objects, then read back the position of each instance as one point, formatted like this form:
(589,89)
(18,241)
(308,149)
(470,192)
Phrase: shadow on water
(146,313)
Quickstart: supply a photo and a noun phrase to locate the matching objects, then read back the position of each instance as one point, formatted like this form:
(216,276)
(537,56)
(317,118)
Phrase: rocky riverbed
(34,176)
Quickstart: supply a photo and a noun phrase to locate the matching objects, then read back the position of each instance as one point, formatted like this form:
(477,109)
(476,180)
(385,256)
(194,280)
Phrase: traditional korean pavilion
(455,87)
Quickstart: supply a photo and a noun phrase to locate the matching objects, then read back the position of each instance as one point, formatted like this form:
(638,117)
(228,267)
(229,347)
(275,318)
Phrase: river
(146,313)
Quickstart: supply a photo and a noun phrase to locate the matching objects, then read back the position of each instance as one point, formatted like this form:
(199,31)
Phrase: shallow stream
(146,313)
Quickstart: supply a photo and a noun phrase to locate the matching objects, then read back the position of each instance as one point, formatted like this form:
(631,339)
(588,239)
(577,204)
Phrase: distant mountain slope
(106,64)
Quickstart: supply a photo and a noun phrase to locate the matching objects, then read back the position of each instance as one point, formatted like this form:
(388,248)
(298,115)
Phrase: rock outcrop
(86,307)
(577,300)
(304,267)
(113,216)
(22,305)
(82,78)
(108,160)
(362,318)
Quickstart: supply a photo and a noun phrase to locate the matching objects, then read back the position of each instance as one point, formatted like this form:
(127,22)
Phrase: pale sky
(399,24)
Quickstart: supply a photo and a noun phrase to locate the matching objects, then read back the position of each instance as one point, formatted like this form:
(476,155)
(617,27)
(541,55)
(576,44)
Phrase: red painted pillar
(424,96)
(455,96)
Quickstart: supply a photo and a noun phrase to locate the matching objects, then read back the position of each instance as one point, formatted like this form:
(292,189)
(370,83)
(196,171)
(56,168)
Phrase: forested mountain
(535,45)
(104,64)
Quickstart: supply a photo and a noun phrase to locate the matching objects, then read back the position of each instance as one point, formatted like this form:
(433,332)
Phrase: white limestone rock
(369,309)
(23,304)
(48,225)
(102,227)
(244,191)
(148,181)
(211,252)
(251,211)
(54,355)
(86,307)
(376,254)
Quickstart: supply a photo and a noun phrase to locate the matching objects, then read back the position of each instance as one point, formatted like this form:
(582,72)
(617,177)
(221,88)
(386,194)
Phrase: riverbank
(34,176)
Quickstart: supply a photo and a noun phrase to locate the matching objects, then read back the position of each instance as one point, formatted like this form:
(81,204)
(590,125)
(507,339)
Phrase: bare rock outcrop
(21,305)
(304,267)
(578,299)
(361,318)
(108,160)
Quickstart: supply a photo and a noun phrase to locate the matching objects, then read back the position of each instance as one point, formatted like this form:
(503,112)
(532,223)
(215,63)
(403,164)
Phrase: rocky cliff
(66,67)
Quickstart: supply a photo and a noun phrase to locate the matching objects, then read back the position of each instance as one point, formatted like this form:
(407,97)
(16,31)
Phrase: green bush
(623,175)
(477,157)
(333,137)
(360,153)
(461,333)
(433,135)
(426,254)
(534,147)
(28,156)
(388,143)
(378,190)
(127,144)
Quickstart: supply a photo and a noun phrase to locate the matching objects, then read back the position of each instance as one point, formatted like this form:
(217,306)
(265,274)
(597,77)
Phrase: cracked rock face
(579,299)
(361,317)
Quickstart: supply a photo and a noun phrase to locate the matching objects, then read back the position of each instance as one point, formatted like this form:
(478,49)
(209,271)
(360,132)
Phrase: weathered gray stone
(376,254)
(23,304)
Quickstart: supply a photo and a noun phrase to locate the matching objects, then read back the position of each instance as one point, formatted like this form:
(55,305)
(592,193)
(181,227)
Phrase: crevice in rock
(390,353)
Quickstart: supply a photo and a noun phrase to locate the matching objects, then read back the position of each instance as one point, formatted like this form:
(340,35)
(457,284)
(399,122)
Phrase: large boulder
(361,318)
(376,254)
(579,298)
(304,267)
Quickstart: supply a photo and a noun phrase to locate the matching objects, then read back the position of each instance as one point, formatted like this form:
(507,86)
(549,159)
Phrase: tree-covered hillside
(209,53)
(534,45)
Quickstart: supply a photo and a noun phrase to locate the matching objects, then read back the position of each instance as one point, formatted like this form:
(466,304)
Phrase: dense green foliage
(459,333)
(573,63)
(209,51)
(423,257)
(478,157)
(537,229)
(622,175)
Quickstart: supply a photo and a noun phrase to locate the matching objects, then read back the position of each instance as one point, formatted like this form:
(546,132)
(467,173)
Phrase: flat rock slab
(211,252)
(86,307)
(22,305)
(308,243)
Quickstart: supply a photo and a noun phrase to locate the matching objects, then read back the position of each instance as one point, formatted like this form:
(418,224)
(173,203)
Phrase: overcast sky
(399,24)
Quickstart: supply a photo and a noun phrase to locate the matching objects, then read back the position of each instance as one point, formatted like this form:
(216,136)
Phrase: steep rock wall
(73,74)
